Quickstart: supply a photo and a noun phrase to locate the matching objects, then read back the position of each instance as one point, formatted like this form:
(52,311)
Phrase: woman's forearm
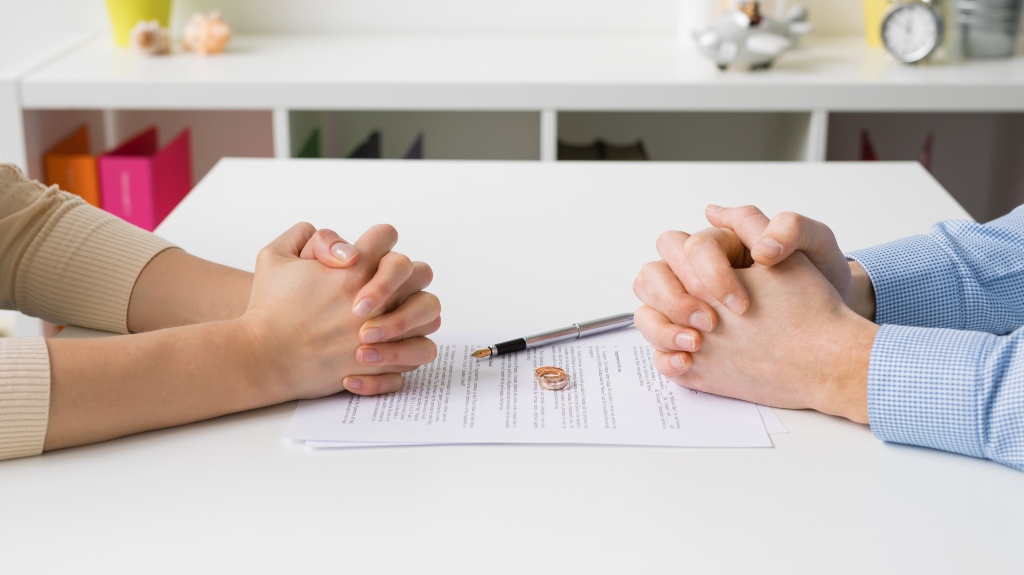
(111,387)
(177,289)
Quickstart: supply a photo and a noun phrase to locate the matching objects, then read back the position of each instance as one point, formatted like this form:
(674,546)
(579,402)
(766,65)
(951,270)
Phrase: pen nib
(482,353)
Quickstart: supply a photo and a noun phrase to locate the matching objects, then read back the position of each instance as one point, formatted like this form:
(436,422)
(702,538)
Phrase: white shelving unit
(513,97)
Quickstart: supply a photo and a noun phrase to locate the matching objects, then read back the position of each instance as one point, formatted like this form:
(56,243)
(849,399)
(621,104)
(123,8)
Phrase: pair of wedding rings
(552,378)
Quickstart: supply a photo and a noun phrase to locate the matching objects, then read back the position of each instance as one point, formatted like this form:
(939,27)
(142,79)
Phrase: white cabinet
(514,96)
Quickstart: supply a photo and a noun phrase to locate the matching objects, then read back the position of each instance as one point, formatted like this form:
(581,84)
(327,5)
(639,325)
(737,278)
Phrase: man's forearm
(862,293)
(110,387)
(177,289)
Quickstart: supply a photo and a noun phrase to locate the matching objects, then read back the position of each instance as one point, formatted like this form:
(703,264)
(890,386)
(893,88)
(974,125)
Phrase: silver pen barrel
(605,324)
(553,336)
(579,330)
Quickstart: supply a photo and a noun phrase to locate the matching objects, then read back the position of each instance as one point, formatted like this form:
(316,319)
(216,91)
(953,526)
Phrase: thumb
(289,244)
(788,232)
(330,249)
(747,222)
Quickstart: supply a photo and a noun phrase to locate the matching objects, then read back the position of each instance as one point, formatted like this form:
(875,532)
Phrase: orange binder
(70,166)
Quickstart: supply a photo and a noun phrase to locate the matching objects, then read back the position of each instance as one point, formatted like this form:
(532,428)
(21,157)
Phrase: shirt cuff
(923,386)
(915,283)
(24,396)
(84,268)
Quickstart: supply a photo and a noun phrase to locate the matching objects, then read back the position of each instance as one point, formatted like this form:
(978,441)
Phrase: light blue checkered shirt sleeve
(943,372)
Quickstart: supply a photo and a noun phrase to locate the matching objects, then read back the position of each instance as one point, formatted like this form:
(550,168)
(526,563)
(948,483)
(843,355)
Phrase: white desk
(232,496)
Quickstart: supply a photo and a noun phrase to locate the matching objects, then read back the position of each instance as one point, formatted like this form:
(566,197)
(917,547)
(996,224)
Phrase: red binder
(142,184)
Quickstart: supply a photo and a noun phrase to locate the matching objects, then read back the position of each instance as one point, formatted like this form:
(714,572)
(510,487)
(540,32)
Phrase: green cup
(125,14)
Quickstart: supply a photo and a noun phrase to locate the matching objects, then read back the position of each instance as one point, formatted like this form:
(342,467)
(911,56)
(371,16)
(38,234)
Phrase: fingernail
(677,361)
(343,251)
(734,303)
(362,307)
(353,383)
(373,335)
(701,321)
(768,247)
(370,355)
(684,341)
(713,208)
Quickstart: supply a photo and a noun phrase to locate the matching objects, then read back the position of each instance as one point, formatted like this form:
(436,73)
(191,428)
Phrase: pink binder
(141,184)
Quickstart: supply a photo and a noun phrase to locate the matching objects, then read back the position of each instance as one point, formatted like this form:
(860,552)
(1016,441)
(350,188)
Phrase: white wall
(57,17)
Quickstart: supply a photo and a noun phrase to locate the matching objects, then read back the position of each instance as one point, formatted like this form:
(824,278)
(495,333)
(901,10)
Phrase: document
(614,397)
(772,423)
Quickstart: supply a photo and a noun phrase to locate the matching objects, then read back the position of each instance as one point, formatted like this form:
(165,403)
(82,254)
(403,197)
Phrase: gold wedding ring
(552,378)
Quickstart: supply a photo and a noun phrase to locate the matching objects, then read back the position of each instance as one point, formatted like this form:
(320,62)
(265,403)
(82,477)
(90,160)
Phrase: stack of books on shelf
(138,181)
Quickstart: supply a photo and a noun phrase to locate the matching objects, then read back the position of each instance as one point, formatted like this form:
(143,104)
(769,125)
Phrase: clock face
(911,31)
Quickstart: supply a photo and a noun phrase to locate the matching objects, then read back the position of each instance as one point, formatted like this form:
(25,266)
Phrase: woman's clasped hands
(325,315)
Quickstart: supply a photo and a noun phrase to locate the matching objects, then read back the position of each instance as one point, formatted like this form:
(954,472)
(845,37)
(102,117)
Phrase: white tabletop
(514,72)
(231,496)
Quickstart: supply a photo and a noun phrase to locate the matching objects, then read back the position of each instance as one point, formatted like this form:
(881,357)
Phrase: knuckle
(675,308)
(399,326)
(404,265)
(398,264)
(426,272)
(263,256)
(433,326)
(435,304)
(395,382)
(695,244)
(748,211)
(387,230)
(645,270)
(664,238)
(377,291)
(641,319)
(670,238)
(788,223)
(718,282)
(431,351)
(643,279)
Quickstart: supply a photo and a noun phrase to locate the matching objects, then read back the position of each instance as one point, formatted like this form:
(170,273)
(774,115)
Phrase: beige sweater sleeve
(67,262)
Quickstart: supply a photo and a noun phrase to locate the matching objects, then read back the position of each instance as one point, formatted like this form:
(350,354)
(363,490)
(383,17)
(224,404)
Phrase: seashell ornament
(150,38)
(206,33)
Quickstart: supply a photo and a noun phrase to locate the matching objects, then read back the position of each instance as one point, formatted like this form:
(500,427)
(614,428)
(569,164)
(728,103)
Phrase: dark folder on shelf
(312,147)
(369,148)
(415,151)
(602,150)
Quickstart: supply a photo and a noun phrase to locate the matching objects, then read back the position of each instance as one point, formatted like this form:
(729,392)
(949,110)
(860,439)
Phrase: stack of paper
(614,397)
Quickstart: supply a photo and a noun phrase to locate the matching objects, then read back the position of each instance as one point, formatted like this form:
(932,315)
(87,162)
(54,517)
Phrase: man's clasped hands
(768,311)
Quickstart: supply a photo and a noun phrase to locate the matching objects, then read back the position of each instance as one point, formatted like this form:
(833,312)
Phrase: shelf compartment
(695,136)
(447,135)
(975,156)
(215,133)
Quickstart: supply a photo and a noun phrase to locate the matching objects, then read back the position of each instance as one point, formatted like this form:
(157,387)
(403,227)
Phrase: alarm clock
(911,30)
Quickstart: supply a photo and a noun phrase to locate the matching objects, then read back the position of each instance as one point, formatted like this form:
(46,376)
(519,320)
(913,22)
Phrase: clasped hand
(325,315)
(765,311)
